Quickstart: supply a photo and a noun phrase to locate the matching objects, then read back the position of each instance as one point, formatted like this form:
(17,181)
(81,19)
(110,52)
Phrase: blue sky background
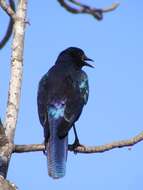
(115,107)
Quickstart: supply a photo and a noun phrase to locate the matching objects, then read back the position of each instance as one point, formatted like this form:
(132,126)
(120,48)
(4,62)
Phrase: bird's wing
(83,86)
(42,105)
(77,97)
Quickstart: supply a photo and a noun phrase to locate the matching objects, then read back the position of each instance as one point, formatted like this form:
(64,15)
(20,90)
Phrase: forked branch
(7,131)
(83,8)
(8,8)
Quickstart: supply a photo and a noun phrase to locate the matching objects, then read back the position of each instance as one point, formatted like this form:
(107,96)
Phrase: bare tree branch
(6,185)
(82,8)
(110,8)
(3,138)
(28,148)
(16,71)
(83,149)
(5,151)
(7,133)
(10,26)
(8,9)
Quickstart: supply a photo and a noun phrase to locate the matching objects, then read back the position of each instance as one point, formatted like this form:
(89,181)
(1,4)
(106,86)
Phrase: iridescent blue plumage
(62,93)
(57,148)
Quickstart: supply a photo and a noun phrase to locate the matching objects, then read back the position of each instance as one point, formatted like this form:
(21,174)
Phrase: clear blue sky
(115,107)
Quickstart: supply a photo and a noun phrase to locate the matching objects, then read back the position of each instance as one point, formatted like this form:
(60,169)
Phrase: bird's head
(78,56)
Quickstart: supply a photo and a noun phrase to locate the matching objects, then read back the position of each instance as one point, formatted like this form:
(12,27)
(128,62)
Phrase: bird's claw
(75,145)
(45,152)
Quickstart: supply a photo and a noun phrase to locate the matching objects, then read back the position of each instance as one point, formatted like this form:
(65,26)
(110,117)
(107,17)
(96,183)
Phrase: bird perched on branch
(62,93)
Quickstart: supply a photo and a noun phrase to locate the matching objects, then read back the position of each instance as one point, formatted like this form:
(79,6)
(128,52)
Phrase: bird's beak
(85,58)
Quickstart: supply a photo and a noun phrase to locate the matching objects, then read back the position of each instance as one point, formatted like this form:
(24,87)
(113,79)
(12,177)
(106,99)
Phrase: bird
(62,93)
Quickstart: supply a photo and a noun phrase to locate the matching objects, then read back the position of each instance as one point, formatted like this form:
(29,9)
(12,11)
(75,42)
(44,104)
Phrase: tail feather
(57,151)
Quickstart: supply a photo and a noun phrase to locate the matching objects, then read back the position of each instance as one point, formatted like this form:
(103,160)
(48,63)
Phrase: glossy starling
(62,93)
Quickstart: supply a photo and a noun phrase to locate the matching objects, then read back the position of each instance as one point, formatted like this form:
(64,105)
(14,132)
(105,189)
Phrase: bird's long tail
(57,151)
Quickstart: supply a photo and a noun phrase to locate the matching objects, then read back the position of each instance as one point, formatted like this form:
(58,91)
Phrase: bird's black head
(77,55)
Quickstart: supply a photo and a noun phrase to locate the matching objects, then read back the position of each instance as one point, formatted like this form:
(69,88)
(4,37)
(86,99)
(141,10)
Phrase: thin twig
(9,30)
(84,149)
(110,8)
(83,8)
(7,9)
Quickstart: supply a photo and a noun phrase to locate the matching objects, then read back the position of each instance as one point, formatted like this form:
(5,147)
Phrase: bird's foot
(45,151)
(75,145)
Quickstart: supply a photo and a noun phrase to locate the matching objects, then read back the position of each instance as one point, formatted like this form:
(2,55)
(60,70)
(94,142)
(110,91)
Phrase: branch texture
(16,71)
(83,149)
(83,8)
(6,149)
